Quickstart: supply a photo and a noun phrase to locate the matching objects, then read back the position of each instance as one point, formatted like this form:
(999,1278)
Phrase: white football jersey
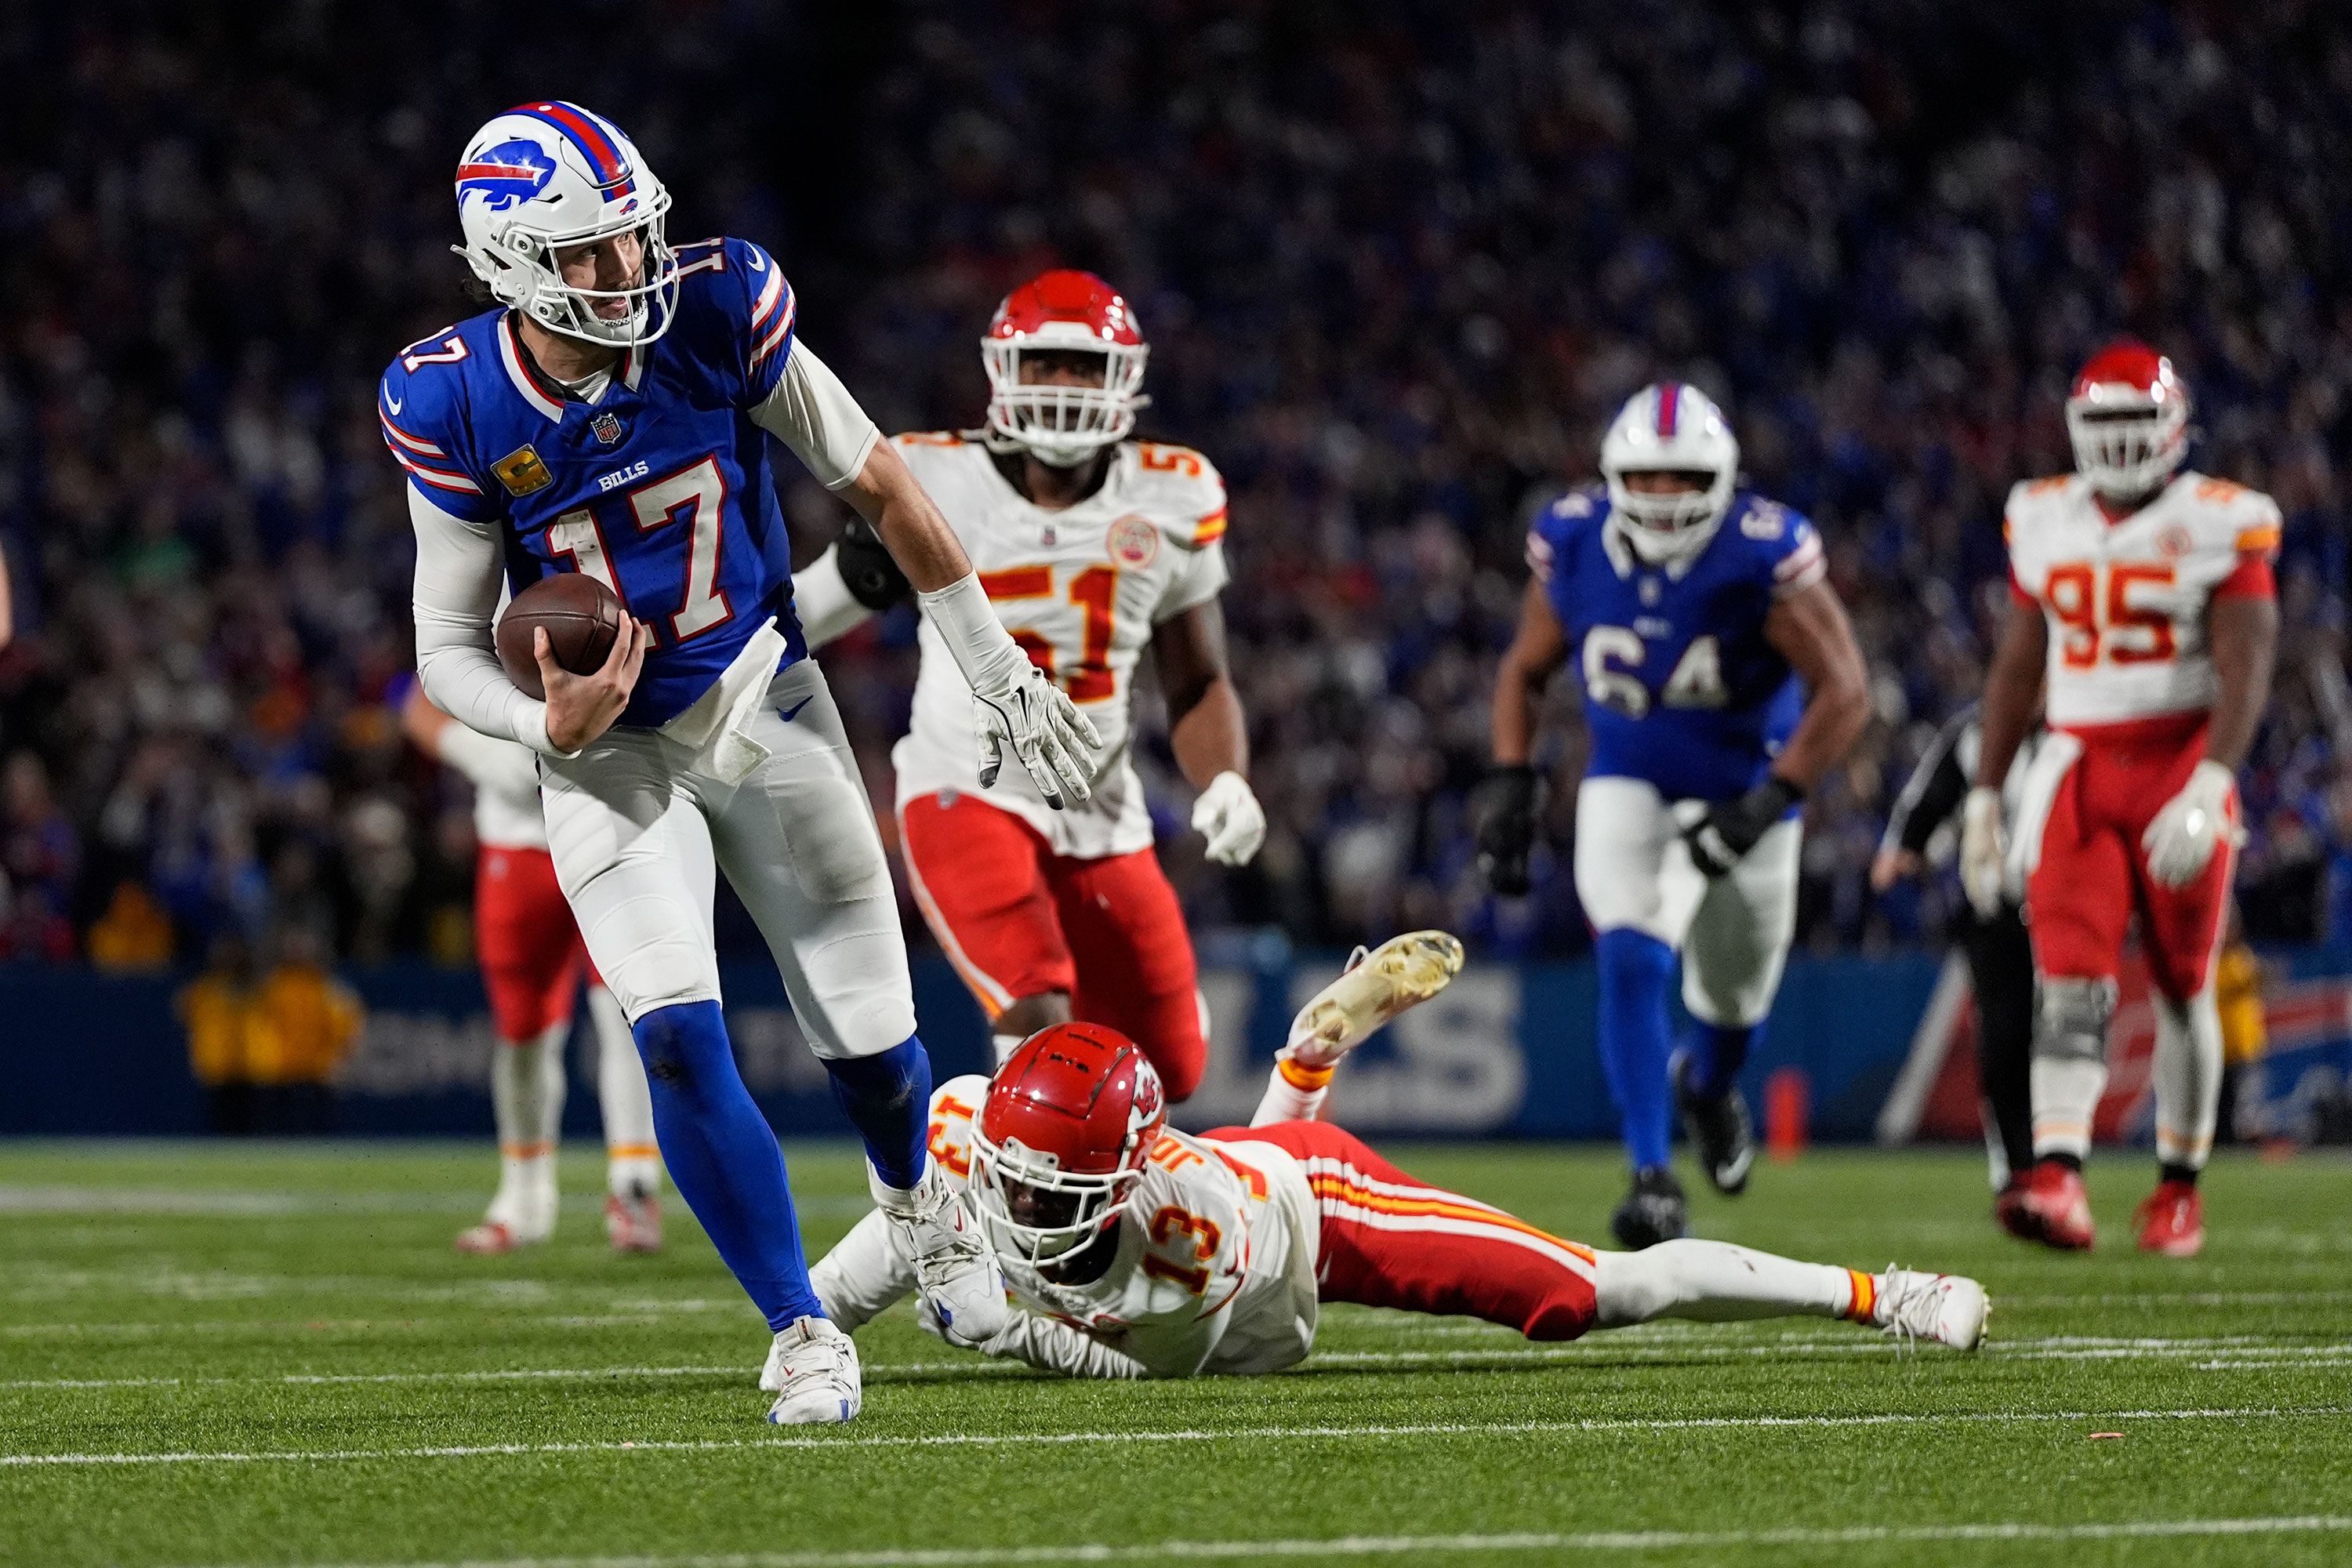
(1215,1267)
(1081,589)
(2126,602)
(505,776)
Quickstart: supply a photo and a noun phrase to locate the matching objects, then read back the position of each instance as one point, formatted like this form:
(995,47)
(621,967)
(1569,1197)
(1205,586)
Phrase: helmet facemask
(1031,1209)
(521,268)
(1665,525)
(2128,439)
(1061,423)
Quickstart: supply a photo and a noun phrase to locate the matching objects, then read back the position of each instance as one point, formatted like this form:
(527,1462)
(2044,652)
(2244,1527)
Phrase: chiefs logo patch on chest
(1133,542)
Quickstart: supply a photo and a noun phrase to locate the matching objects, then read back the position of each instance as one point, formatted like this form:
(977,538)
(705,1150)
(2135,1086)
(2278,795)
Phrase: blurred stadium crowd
(1396,261)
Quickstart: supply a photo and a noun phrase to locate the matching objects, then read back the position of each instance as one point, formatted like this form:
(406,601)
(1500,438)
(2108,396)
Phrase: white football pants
(635,826)
(1733,931)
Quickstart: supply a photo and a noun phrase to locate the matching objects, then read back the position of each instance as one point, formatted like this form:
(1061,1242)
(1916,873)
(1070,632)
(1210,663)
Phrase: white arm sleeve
(1052,1346)
(501,768)
(457,593)
(823,602)
(863,1274)
(813,413)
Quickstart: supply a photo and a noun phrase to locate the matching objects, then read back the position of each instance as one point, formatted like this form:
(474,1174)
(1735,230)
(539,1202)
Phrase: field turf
(271,1355)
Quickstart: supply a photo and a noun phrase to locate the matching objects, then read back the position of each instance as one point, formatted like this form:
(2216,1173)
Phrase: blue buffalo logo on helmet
(506,174)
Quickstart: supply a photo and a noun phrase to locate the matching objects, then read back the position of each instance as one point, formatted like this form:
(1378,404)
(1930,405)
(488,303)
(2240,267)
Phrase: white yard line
(1416,1545)
(2218,1352)
(1192,1434)
(49,1199)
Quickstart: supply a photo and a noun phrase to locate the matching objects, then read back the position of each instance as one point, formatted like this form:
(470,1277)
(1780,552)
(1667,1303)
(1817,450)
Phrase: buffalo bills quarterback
(610,417)
(1693,608)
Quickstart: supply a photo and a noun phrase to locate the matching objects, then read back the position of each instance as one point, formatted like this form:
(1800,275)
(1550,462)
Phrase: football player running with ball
(2145,622)
(1093,547)
(1691,609)
(611,417)
(1135,1251)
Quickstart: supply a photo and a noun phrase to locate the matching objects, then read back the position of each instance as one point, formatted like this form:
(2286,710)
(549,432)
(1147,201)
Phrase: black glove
(1514,812)
(867,571)
(1731,828)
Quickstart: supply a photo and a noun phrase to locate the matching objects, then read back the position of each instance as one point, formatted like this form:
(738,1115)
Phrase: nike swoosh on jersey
(792,713)
(759,261)
(390,401)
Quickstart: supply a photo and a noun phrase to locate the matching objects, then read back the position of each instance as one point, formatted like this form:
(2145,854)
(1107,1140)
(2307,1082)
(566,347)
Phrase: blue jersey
(1681,688)
(660,487)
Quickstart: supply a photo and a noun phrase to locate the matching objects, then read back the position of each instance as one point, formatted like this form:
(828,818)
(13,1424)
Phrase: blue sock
(722,1156)
(1717,1053)
(1636,970)
(888,1097)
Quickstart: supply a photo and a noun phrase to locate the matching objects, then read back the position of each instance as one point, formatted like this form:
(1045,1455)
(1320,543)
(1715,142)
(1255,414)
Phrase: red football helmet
(1059,1147)
(2128,416)
(1064,423)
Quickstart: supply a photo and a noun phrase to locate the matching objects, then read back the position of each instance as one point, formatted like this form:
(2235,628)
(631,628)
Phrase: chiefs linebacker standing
(2144,602)
(1092,546)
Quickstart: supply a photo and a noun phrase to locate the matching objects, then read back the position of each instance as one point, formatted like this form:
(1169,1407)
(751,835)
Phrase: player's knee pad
(2070,1018)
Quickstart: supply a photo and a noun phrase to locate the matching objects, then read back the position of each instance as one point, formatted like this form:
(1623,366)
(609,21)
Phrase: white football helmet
(543,178)
(1671,427)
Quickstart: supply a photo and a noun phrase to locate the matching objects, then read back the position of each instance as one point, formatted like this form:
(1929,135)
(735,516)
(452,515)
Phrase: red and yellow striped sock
(1862,1308)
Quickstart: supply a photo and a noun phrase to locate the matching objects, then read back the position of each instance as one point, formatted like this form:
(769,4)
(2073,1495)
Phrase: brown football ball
(582,617)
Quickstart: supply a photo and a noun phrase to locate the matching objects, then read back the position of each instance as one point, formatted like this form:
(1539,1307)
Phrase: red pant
(2092,876)
(530,947)
(1019,921)
(1392,1241)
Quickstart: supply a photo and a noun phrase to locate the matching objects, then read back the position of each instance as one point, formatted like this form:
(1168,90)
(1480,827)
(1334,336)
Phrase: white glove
(1012,702)
(1045,731)
(2181,840)
(1229,816)
(1984,851)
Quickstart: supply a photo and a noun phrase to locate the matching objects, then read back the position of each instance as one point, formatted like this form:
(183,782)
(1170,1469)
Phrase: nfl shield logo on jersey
(606,427)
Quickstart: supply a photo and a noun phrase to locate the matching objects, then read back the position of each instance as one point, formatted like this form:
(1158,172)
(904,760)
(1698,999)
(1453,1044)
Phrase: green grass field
(271,1355)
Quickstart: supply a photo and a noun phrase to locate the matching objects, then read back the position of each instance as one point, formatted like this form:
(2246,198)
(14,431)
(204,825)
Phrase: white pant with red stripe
(1391,1240)
(1387,1240)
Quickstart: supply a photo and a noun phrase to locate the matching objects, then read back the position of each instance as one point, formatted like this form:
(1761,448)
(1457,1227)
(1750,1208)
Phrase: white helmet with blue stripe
(1670,428)
(543,178)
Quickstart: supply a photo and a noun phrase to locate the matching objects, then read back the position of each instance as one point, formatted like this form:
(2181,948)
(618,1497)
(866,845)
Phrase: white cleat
(1949,1308)
(813,1366)
(1401,972)
(955,1268)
